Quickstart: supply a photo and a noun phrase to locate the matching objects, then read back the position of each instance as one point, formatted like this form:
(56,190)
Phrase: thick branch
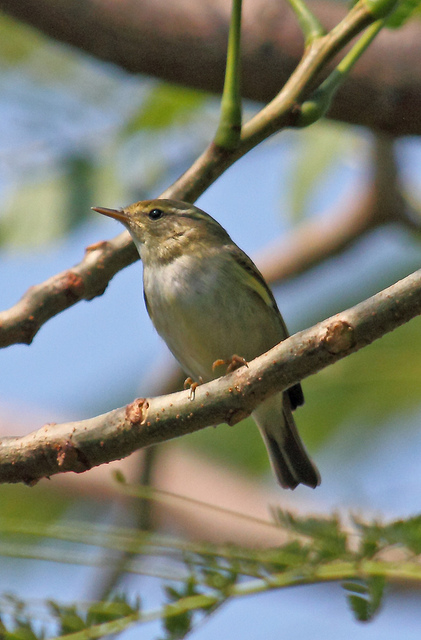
(78,446)
(185,42)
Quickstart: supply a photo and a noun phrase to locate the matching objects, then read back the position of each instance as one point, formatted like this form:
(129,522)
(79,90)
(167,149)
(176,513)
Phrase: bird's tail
(289,459)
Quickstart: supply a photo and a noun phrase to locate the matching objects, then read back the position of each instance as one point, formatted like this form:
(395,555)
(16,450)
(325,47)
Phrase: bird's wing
(250,276)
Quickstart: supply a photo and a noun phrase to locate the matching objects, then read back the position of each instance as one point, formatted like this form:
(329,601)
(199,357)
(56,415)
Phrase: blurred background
(76,133)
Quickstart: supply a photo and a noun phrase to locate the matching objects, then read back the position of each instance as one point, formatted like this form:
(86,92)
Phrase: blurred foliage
(53,201)
(315,158)
(369,387)
(17,41)
(58,165)
(37,503)
(405,10)
(50,208)
(205,576)
(166,105)
(71,621)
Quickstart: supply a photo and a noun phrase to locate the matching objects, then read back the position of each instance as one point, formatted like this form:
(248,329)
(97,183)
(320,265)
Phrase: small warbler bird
(210,303)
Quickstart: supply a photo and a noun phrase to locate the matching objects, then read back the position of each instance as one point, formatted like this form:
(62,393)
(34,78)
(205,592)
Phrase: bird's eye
(154,214)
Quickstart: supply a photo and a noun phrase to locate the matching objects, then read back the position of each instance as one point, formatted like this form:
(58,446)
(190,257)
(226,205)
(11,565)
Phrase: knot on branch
(71,458)
(136,411)
(338,337)
(73,286)
(26,330)
(236,415)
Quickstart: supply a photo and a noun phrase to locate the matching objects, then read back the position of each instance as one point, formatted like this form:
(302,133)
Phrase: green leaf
(68,618)
(21,633)
(165,105)
(119,476)
(288,556)
(219,578)
(359,607)
(404,532)
(78,190)
(106,611)
(72,621)
(177,626)
(326,533)
(23,628)
(371,538)
(365,597)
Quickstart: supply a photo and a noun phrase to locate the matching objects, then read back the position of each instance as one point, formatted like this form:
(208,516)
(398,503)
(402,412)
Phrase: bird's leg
(189,382)
(233,363)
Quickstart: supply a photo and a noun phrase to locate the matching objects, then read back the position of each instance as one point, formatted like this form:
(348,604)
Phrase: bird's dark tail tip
(289,458)
(291,462)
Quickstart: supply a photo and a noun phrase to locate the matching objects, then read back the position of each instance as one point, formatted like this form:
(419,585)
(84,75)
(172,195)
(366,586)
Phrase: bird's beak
(112,213)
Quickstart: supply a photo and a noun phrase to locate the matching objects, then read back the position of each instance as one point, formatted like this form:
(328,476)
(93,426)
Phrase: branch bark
(78,446)
(185,42)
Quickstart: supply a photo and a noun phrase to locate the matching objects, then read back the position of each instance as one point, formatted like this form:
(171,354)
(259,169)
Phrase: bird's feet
(233,363)
(190,383)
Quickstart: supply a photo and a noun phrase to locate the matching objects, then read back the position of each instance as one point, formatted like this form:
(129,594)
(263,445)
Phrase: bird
(210,304)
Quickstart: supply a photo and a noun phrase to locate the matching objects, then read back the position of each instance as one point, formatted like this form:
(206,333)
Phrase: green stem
(229,129)
(279,112)
(319,103)
(275,115)
(310,26)
(345,66)
(380,8)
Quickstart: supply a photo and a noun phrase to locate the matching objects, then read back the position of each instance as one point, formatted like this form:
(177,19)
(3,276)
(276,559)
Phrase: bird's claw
(190,383)
(233,363)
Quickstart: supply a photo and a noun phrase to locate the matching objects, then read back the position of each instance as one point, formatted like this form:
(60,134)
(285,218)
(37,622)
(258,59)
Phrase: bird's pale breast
(203,312)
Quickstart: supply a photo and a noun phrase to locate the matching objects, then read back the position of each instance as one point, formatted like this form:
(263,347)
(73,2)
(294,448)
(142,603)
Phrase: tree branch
(103,260)
(381,202)
(179,42)
(309,244)
(78,446)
